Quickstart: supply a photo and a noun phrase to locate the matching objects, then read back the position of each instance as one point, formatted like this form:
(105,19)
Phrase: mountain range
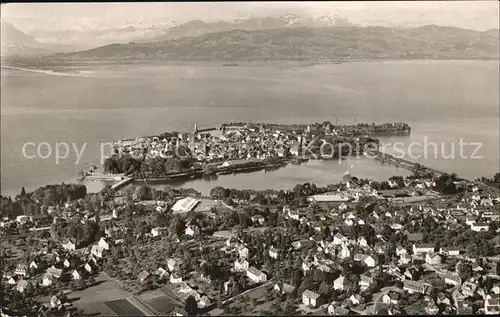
(310,44)
(197,27)
(44,39)
(287,37)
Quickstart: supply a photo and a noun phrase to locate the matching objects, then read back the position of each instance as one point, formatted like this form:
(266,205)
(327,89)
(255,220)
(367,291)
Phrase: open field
(122,307)
(257,297)
(92,299)
(163,304)
(158,301)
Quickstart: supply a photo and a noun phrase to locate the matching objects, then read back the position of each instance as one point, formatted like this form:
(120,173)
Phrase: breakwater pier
(414,167)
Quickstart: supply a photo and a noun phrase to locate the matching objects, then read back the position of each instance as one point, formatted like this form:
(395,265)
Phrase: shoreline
(49,69)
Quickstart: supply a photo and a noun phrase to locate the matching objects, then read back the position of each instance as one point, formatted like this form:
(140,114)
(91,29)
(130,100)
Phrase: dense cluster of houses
(231,143)
(409,265)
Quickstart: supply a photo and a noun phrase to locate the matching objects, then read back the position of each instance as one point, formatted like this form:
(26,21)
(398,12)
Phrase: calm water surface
(443,101)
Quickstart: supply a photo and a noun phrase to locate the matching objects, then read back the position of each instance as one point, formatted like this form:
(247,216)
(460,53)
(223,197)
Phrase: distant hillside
(15,42)
(89,36)
(312,44)
(197,27)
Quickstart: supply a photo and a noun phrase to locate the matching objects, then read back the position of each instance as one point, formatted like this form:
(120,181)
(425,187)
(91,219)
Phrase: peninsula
(236,147)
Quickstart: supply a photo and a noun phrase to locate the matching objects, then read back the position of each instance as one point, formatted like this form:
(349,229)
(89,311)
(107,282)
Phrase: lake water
(443,101)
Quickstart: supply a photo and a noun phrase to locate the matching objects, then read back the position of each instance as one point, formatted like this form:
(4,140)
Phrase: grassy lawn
(122,307)
(163,304)
(91,299)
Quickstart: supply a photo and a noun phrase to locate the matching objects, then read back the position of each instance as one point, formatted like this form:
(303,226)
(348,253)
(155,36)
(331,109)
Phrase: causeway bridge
(412,166)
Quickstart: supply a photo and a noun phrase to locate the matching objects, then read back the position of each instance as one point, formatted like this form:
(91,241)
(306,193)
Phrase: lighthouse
(195,129)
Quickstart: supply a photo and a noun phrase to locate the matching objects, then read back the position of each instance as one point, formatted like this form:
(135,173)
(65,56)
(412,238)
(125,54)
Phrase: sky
(480,15)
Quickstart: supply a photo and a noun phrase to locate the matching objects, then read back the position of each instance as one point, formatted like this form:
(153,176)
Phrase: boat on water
(346,177)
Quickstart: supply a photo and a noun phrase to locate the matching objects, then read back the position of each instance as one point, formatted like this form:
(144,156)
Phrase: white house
(362,242)
(364,282)
(175,278)
(21,269)
(433,258)
(256,275)
(414,287)
(96,251)
(12,280)
(480,226)
(241,265)
(355,299)
(293,214)
(370,261)
(345,253)
(172,265)
(33,265)
(452,279)
(450,251)
(306,266)
(47,279)
(391,298)
(258,219)
(422,248)
(401,251)
(273,252)
(469,289)
(310,298)
(103,244)
(88,267)
(470,220)
(69,245)
(339,239)
(283,288)
(161,273)
(66,263)
(491,304)
(242,251)
(23,219)
(397,226)
(339,283)
(192,230)
(331,308)
(76,275)
(158,231)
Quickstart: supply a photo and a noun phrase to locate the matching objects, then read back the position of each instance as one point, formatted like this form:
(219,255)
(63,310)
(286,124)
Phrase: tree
(496,178)
(190,306)
(318,275)
(306,284)
(297,278)
(324,288)
(464,270)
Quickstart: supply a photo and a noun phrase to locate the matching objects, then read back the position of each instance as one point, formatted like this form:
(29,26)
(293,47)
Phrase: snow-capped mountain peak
(140,25)
(290,19)
(331,19)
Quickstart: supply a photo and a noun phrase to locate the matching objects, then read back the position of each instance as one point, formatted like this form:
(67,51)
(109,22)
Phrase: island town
(427,243)
(234,148)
